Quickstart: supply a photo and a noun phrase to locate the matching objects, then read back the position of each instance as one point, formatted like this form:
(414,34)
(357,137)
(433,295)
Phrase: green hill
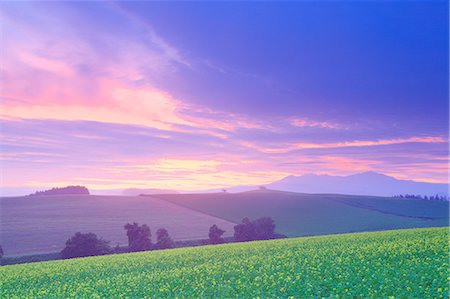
(297,214)
(42,224)
(402,264)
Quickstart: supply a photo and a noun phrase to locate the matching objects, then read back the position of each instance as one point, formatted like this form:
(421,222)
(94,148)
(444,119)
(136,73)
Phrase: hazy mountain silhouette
(366,183)
(138,191)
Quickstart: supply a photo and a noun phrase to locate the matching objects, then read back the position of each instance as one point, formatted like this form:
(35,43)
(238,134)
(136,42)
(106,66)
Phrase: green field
(42,224)
(297,214)
(409,263)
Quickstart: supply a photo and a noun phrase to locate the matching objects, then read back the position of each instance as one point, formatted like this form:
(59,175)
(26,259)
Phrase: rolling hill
(393,264)
(44,223)
(297,214)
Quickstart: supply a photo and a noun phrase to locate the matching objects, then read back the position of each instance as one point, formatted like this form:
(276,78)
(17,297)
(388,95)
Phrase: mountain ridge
(364,183)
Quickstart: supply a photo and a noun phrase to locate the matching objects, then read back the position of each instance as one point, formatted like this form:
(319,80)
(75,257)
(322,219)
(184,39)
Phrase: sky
(203,95)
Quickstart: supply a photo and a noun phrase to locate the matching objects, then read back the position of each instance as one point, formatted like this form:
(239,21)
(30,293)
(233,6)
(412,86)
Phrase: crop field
(402,207)
(298,214)
(410,263)
(43,224)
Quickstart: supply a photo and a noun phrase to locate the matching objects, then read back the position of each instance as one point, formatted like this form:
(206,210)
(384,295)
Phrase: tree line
(140,238)
(69,190)
(436,197)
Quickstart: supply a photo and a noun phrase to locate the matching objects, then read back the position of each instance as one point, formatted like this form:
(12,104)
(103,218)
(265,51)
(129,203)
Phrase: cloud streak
(354,143)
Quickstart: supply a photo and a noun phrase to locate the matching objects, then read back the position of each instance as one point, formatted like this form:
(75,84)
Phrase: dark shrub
(163,240)
(139,237)
(81,245)
(260,229)
(244,231)
(215,235)
(265,228)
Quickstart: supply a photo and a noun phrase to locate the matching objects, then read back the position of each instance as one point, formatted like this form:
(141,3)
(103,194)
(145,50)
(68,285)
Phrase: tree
(163,240)
(265,228)
(1,251)
(139,237)
(87,244)
(215,234)
(244,231)
(260,229)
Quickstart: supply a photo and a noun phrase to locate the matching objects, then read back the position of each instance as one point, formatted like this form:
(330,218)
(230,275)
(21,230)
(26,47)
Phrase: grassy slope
(44,223)
(404,263)
(298,214)
(406,207)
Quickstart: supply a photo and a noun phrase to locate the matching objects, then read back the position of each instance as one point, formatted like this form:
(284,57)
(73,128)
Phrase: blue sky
(355,59)
(193,95)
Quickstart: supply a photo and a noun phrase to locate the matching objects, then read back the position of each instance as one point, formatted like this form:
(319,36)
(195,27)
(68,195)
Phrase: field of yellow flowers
(410,263)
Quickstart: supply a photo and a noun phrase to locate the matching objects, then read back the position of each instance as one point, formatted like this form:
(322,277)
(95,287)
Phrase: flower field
(410,263)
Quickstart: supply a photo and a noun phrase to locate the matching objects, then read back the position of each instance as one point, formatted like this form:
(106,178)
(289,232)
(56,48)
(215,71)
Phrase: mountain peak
(369,174)
(364,183)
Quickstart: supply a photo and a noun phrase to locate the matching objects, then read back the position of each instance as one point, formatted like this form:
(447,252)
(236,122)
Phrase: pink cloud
(173,173)
(49,87)
(357,143)
(299,122)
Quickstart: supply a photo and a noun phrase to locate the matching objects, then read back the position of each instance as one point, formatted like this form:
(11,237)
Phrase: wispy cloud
(168,50)
(355,143)
(299,122)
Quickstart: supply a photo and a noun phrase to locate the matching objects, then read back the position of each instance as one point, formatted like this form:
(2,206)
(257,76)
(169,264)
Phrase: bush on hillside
(244,231)
(264,228)
(215,235)
(163,240)
(139,237)
(87,244)
(260,229)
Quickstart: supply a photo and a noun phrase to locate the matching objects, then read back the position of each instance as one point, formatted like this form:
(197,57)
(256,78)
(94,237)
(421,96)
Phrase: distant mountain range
(366,183)
(133,191)
(138,191)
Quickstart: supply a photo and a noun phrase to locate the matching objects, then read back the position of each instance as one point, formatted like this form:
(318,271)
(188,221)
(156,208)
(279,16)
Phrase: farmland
(44,223)
(298,214)
(403,263)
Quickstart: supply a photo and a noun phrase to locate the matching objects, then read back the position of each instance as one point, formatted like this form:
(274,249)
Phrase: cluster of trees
(140,238)
(259,229)
(85,245)
(432,197)
(69,190)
